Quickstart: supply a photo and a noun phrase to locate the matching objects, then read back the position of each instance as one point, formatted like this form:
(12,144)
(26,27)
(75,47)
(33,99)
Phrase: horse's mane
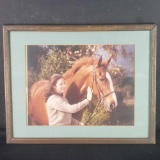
(77,65)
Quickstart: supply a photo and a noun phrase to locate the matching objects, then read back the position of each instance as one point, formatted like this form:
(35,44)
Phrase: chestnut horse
(87,71)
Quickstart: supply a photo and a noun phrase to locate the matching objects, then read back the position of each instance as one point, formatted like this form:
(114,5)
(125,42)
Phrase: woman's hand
(81,124)
(89,93)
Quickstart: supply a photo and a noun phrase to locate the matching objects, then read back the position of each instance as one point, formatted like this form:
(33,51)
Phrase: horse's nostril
(112,106)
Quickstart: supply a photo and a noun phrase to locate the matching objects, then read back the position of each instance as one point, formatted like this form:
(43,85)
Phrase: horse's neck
(73,94)
(76,86)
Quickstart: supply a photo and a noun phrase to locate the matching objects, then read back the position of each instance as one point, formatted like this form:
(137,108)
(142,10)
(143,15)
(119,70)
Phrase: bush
(52,64)
(95,116)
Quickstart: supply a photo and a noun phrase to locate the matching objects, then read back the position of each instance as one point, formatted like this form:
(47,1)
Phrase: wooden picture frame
(16,38)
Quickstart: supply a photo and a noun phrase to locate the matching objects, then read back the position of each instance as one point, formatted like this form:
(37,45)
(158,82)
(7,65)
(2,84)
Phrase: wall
(77,12)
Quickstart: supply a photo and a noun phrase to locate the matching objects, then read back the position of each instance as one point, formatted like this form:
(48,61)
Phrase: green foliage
(95,114)
(53,63)
(97,117)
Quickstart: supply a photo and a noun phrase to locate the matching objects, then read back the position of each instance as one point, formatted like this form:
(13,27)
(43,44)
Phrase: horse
(86,72)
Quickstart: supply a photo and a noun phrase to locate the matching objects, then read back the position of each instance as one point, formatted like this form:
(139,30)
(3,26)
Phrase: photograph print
(82,85)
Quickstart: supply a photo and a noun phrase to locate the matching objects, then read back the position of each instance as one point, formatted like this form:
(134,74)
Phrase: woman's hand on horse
(89,93)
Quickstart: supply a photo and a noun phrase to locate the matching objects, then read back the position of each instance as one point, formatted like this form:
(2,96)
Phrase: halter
(101,95)
(100,92)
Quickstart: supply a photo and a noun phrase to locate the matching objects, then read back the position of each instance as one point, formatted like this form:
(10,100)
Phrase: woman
(58,108)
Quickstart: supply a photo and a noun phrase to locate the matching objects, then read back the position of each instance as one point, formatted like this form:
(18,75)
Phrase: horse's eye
(102,79)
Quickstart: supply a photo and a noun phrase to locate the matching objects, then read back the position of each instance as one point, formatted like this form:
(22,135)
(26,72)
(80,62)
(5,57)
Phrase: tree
(53,63)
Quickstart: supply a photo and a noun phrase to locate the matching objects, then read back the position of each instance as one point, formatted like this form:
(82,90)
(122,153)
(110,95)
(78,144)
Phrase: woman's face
(60,86)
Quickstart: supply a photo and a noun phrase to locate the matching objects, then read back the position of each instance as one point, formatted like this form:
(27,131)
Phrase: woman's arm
(63,106)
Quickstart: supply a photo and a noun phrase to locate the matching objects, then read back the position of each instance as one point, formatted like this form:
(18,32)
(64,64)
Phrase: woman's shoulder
(56,98)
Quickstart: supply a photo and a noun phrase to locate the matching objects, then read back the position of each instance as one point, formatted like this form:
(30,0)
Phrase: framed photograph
(80,84)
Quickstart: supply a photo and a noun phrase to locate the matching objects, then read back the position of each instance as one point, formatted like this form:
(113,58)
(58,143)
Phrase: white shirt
(60,111)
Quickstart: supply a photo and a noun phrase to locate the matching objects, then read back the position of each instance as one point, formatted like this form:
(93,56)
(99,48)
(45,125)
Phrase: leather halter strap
(98,88)
(100,98)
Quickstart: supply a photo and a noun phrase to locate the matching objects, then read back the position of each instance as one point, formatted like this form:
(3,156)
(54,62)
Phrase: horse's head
(101,83)
(90,72)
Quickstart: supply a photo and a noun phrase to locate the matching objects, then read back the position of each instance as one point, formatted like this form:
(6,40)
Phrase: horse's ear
(99,61)
(107,62)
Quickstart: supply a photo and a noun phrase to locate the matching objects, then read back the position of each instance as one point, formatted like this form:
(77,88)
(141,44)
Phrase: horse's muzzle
(110,108)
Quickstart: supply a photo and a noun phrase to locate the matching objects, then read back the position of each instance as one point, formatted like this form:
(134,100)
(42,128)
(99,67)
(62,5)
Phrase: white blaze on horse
(87,71)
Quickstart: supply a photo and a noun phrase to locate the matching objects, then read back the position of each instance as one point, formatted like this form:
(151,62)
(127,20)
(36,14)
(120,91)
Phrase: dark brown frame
(8,99)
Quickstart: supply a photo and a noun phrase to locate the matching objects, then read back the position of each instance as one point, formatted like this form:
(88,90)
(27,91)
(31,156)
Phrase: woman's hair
(52,82)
